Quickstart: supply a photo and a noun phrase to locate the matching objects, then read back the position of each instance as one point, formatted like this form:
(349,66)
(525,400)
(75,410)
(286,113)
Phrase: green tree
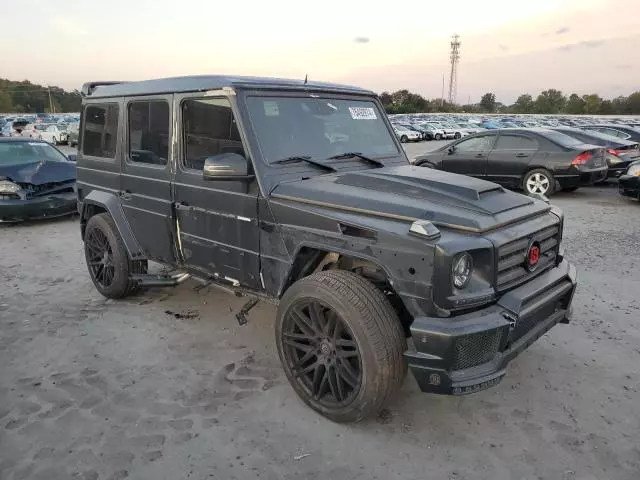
(633,104)
(550,101)
(606,107)
(386,98)
(575,105)
(524,104)
(592,103)
(488,103)
(6,105)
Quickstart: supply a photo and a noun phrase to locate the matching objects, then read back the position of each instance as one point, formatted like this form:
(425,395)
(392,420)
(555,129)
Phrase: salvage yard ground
(167,385)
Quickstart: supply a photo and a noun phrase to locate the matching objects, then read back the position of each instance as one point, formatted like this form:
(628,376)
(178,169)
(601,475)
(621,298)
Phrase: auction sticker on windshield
(362,113)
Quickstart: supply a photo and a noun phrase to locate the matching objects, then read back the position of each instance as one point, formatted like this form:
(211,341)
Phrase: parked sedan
(629,182)
(615,130)
(72,134)
(406,135)
(36,180)
(55,134)
(531,159)
(619,153)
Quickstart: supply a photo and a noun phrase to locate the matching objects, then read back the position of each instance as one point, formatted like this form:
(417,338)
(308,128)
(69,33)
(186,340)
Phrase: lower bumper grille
(476,349)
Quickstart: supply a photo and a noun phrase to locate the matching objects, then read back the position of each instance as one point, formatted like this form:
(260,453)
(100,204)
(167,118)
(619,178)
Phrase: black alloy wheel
(99,257)
(404,139)
(321,352)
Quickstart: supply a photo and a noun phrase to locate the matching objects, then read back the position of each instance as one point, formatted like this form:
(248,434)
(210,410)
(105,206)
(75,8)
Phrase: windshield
(318,127)
(16,153)
(562,139)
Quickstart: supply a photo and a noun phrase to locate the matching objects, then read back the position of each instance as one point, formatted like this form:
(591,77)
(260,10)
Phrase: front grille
(475,349)
(42,189)
(512,257)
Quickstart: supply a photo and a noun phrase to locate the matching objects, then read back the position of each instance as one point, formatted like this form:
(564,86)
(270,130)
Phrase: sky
(508,47)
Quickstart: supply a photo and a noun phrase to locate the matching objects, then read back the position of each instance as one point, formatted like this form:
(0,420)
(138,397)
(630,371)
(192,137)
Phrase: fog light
(462,268)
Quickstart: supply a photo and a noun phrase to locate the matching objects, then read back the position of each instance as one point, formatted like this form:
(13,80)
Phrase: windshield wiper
(304,158)
(372,161)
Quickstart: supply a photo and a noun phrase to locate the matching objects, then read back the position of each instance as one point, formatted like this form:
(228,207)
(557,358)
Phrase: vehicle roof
(197,83)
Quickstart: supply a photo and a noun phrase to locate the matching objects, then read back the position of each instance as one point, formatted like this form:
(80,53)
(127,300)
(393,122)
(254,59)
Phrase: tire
(54,141)
(366,359)
(457,135)
(429,138)
(543,178)
(110,274)
(570,189)
(438,136)
(404,139)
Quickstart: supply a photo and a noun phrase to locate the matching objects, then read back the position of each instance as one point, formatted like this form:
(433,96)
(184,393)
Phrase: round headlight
(462,268)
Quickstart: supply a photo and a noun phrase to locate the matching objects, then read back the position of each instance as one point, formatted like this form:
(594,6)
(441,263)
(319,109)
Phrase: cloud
(584,44)
(68,26)
(362,39)
(562,30)
(503,48)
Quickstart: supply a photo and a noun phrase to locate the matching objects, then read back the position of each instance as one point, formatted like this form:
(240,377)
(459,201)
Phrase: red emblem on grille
(533,256)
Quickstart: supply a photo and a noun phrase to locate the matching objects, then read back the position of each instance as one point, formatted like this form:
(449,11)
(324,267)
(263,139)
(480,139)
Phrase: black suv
(300,193)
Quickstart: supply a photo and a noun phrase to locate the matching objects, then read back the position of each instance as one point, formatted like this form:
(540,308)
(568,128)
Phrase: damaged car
(36,180)
(377,266)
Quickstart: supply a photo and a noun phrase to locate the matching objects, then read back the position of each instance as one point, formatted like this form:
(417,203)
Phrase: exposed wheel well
(88,212)
(311,260)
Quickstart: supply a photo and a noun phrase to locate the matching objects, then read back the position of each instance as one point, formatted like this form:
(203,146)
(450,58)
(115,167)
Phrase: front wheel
(438,136)
(404,139)
(539,181)
(54,141)
(341,344)
(457,135)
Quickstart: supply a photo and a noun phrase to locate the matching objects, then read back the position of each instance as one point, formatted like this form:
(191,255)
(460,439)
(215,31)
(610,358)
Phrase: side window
(476,144)
(516,142)
(148,130)
(208,129)
(100,130)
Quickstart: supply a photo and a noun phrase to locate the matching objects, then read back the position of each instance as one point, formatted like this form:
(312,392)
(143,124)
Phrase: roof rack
(89,87)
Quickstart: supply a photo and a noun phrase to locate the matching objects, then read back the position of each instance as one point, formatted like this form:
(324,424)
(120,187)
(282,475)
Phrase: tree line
(27,97)
(550,101)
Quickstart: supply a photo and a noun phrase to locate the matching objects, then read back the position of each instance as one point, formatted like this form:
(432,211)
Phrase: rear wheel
(438,136)
(539,181)
(341,344)
(54,141)
(457,135)
(404,139)
(107,259)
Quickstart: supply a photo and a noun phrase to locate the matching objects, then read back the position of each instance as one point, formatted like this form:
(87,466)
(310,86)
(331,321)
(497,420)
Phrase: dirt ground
(167,385)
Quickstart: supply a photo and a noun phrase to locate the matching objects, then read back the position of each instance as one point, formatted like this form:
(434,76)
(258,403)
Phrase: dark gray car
(300,194)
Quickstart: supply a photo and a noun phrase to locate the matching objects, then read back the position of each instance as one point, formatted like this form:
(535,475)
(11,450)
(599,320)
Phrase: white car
(405,135)
(54,134)
(436,133)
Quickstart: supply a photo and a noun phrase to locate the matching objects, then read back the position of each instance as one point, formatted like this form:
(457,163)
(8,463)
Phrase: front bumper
(469,353)
(49,206)
(629,186)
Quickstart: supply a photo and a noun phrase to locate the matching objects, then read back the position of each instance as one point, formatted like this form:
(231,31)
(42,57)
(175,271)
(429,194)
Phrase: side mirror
(451,149)
(226,166)
(72,157)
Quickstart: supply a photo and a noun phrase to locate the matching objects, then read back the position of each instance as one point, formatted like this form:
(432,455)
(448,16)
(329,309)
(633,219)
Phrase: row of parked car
(541,160)
(55,130)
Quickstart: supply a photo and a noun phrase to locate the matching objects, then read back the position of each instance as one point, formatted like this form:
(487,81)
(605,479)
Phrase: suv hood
(412,193)
(38,173)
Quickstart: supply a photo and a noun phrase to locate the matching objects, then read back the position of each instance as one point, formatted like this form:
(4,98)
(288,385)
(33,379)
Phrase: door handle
(520,155)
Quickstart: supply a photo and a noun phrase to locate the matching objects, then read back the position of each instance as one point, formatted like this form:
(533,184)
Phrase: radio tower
(453,76)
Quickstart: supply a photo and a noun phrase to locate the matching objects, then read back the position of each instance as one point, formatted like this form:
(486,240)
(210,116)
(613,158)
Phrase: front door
(469,156)
(217,220)
(145,188)
(509,159)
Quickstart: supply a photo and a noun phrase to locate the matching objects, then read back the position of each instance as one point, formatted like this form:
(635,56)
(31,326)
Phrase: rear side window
(562,139)
(516,142)
(148,131)
(100,130)
(209,128)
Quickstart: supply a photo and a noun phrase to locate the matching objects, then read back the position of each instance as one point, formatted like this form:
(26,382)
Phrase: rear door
(510,157)
(217,220)
(145,189)
(469,156)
